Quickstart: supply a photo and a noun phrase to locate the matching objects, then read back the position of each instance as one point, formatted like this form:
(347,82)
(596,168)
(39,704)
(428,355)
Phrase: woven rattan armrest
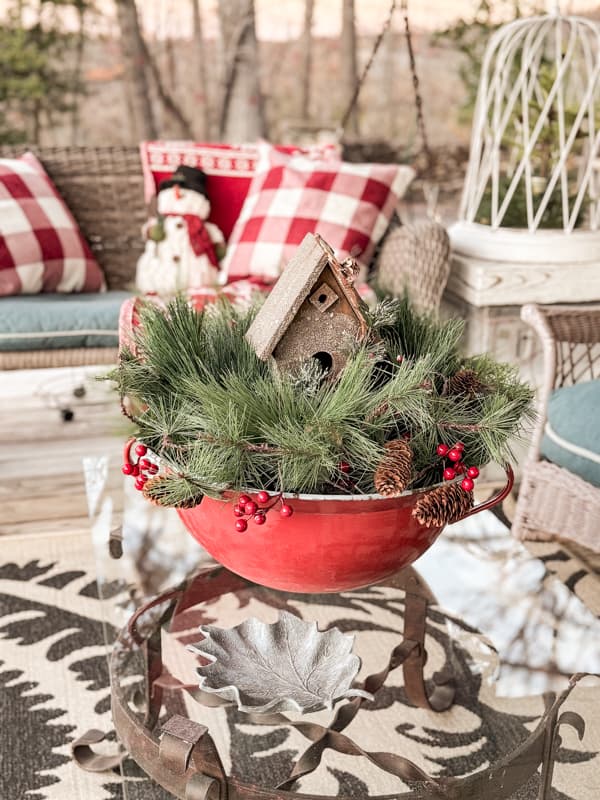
(570,338)
(554,504)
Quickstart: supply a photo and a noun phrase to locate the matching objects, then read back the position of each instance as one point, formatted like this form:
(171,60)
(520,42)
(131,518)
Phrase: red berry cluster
(246,509)
(455,454)
(142,470)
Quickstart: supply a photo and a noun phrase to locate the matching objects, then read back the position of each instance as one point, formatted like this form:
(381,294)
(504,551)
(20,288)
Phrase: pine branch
(458,426)
(173,491)
(413,335)
(219,418)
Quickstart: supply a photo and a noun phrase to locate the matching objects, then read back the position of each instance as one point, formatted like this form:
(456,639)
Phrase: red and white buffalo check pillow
(41,247)
(350,205)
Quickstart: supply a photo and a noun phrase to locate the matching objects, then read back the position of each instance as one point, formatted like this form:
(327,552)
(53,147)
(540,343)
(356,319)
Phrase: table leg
(418,598)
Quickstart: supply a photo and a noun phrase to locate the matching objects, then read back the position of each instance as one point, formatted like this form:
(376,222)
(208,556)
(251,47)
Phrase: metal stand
(418,598)
(183,758)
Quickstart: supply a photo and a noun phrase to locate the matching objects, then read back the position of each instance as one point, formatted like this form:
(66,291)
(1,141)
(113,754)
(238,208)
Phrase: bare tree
(136,59)
(170,63)
(140,64)
(166,98)
(201,118)
(349,61)
(306,51)
(242,111)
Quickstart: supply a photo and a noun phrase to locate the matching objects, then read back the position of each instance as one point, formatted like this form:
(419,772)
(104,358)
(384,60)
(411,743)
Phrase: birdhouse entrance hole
(324,359)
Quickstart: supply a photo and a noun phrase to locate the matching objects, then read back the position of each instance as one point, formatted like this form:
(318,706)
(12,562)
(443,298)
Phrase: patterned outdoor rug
(577,568)
(53,667)
(54,686)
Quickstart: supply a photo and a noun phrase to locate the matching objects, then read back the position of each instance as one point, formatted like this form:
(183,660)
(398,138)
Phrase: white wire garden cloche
(530,213)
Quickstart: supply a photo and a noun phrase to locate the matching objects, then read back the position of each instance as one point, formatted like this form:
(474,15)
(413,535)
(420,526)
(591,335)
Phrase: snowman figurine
(182,249)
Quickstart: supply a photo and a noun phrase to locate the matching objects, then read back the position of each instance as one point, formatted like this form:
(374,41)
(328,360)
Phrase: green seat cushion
(572,434)
(55,321)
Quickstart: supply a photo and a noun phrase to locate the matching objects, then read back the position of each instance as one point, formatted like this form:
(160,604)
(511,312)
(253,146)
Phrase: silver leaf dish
(288,665)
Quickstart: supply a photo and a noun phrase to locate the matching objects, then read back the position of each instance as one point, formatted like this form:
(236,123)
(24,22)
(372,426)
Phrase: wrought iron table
(183,755)
(429,670)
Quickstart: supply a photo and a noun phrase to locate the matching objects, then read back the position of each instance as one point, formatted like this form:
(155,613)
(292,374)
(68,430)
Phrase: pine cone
(156,491)
(465,382)
(393,474)
(443,505)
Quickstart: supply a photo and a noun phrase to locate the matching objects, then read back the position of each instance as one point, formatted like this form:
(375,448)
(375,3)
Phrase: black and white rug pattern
(53,668)
(54,686)
(581,577)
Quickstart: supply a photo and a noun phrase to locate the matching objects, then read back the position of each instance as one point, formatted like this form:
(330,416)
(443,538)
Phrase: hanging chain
(368,65)
(422,131)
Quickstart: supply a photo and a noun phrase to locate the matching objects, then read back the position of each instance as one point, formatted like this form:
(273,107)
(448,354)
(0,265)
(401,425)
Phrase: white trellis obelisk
(531,194)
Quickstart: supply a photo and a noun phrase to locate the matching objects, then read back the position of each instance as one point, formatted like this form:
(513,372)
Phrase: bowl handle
(127,451)
(495,498)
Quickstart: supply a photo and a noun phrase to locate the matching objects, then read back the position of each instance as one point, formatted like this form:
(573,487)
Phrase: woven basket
(416,258)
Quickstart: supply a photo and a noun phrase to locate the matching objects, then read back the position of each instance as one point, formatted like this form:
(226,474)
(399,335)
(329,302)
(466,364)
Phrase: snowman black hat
(187,178)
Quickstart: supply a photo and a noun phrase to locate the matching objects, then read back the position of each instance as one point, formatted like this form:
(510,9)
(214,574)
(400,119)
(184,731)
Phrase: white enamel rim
(347,497)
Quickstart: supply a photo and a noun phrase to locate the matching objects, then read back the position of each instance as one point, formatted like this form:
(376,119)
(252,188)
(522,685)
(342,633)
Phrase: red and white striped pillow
(350,205)
(41,246)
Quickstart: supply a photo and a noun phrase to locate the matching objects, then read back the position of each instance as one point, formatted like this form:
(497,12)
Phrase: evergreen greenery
(516,213)
(219,418)
(544,158)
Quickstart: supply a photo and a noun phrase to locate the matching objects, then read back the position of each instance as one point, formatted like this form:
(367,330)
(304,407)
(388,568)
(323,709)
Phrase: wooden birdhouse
(313,311)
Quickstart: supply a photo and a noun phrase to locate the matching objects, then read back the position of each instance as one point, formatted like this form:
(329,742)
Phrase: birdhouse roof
(291,290)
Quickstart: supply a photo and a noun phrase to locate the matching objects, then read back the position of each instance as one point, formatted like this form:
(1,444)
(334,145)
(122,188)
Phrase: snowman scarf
(199,238)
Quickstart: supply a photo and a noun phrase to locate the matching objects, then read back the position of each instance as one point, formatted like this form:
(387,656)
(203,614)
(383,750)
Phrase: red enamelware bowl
(330,544)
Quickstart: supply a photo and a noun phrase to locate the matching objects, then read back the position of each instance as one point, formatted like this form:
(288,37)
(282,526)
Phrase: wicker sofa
(103,187)
(554,503)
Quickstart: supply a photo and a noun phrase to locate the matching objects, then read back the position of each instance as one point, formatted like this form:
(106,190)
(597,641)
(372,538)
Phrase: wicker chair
(103,187)
(553,503)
